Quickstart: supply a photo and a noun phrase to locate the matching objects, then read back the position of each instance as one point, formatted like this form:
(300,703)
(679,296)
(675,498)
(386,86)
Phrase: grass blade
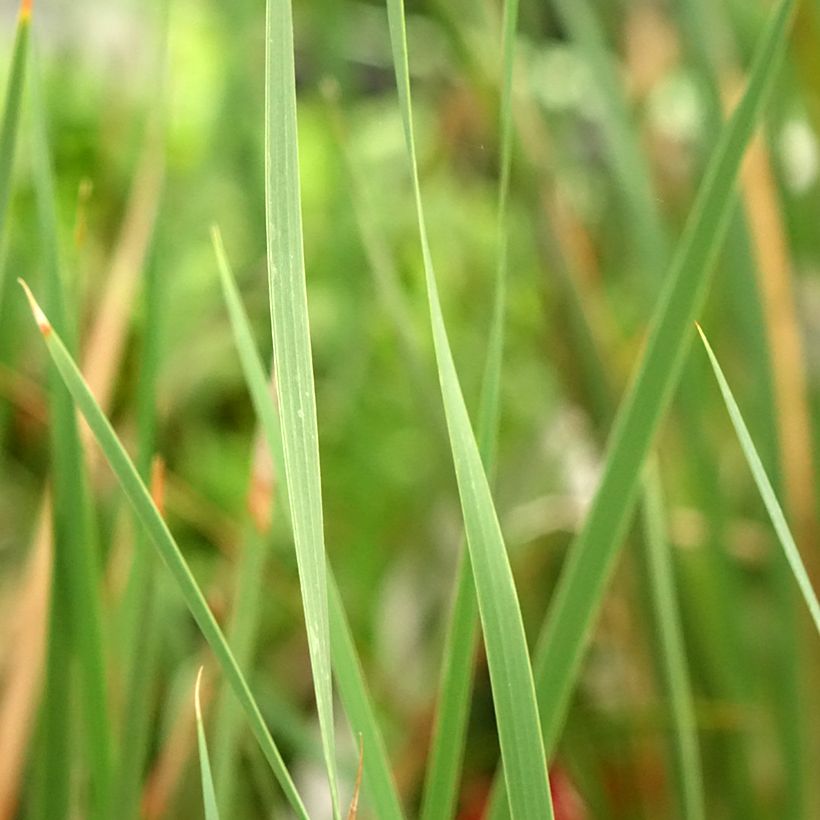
(670,649)
(167,547)
(75,584)
(765,487)
(522,750)
(378,779)
(292,354)
(208,794)
(453,702)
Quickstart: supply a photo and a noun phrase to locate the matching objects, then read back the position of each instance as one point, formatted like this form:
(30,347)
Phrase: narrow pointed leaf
(76,599)
(454,697)
(670,649)
(208,794)
(765,487)
(522,750)
(140,498)
(292,354)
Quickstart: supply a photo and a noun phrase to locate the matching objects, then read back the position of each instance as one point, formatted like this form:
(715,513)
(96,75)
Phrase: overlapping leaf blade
(140,499)
(507,656)
(379,785)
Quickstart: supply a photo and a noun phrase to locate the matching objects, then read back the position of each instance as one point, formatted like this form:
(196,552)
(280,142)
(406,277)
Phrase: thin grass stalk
(167,547)
(76,575)
(671,652)
(655,556)
(208,793)
(461,635)
(9,125)
(292,354)
(764,485)
(386,279)
(508,660)
(51,790)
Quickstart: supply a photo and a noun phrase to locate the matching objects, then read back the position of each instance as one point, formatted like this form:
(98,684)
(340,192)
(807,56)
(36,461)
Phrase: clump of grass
(384,754)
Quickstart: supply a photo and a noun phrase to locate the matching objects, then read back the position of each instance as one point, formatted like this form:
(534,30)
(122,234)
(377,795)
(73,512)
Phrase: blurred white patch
(311,780)
(401,631)
(561,80)
(674,109)
(570,441)
(797,147)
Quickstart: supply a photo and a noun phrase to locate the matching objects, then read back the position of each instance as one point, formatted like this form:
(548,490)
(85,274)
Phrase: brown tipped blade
(39,317)
(353,811)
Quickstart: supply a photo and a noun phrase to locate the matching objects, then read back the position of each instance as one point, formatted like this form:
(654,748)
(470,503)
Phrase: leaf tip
(353,811)
(25,9)
(197,704)
(36,311)
(702,334)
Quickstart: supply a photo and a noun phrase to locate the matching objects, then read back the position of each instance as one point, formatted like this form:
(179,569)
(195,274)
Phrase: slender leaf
(167,547)
(522,751)
(75,585)
(292,354)
(208,794)
(765,487)
(671,655)
(379,784)
(453,703)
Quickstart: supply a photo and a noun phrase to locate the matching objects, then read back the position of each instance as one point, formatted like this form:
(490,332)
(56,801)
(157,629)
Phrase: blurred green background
(155,116)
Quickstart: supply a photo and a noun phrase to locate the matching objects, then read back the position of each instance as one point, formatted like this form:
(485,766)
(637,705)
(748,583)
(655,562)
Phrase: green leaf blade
(670,650)
(292,354)
(454,696)
(522,750)
(140,499)
(767,493)
(208,793)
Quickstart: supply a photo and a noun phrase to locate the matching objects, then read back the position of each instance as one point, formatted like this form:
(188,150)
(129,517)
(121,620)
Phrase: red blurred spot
(566,802)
